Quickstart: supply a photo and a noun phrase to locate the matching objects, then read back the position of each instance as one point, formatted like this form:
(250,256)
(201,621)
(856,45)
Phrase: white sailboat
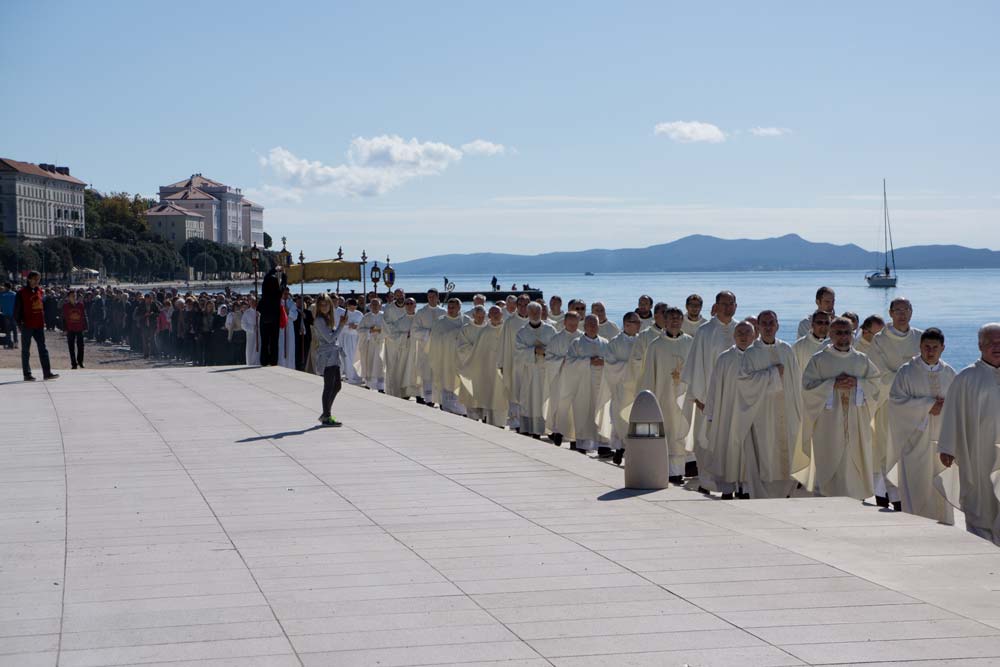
(885,277)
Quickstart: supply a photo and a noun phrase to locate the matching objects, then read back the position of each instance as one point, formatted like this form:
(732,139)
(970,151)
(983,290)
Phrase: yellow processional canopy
(326,270)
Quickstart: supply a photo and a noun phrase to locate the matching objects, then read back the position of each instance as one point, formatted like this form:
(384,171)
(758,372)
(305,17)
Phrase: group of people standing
(855,408)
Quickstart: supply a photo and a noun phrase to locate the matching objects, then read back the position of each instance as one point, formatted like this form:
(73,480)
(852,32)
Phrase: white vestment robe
(557,320)
(581,386)
(397,349)
(861,344)
(250,321)
(622,372)
(607,329)
(481,388)
(370,333)
(349,346)
(286,337)
(721,459)
(444,362)
(712,339)
(420,334)
(970,431)
(890,349)
(771,412)
(646,322)
(664,356)
(532,377)
(508,369)
(805,347)
(690,327)
(557,410)
(912,456)
(836,423)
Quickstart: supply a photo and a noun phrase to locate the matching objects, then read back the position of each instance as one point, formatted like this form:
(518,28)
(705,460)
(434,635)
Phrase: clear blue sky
(598,124)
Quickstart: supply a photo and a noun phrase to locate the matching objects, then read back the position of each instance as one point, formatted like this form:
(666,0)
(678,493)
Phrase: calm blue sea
(956,301)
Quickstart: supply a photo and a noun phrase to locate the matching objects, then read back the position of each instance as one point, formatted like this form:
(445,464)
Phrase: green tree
(267,240)
(205,263)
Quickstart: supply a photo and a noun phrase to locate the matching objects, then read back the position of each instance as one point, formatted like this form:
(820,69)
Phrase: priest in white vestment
(508,369)
(558,412)
(420,332)
(529,366)
(771,394)
(444,357)
(869,329)
(840,388)
(348,342)
(726,447)
(970,437)
(510,306)
(286,335)
(826,301)
(645,312)
(892,347)
(915,402)
(370,348)
(397,351)
(813,341)
(692,318)
(250,319)
(582,386)
(481,388)
(712,339)
(606,328)
(556,312)
(622,373)
(663,365)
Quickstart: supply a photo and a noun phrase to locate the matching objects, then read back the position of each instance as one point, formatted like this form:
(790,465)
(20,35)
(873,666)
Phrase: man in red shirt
(74,315)
(29,315)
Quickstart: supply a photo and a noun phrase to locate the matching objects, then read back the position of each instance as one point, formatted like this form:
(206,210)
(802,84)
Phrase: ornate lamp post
(389,278)
(255,259)
(364,279)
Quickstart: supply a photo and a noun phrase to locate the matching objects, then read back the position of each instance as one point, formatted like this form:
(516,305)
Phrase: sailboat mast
(885,228)
(890,247)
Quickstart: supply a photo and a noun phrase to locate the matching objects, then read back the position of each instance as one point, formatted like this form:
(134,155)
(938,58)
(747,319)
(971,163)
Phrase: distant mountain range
(700,253)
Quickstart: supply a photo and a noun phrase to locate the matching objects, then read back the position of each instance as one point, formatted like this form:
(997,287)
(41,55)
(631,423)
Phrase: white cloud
(769,131)
(483,147)
(373,167)
(690,131)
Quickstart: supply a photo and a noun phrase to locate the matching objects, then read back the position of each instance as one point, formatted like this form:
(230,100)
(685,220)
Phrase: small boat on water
(588,273)
(885,277)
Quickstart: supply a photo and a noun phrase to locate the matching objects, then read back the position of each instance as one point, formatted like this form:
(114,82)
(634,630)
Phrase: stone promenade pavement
(200,517)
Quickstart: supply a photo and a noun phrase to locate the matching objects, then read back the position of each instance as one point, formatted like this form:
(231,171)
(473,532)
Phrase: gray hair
(987,329)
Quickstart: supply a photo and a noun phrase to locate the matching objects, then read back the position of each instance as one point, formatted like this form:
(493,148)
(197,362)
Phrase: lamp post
(647,460)
(254,259)
(302,316)
(364,280)
(388,278)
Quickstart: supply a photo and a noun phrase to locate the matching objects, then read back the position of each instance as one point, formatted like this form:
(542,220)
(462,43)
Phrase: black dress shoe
(572,445)
(677,480)
(536,436)
(29,378)
(898,506)
(743,496)
(50,376)
(727,496)
(604,453)
(73,368)
(691,469)
(702,489)
(420,400)
(619,455)
(556,439)
(80,364)
(882,501)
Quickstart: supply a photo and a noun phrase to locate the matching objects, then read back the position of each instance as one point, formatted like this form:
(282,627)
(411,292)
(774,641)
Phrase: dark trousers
(75,341)
(331,387)
(43,352)
(269,343)
(147,341)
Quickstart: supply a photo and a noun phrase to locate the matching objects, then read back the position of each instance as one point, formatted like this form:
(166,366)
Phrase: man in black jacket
(269,308)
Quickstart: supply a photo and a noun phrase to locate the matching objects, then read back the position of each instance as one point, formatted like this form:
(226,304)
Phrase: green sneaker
(330,421)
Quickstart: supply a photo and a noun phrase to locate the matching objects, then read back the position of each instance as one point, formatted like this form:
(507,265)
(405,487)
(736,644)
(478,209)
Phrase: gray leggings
(331,387)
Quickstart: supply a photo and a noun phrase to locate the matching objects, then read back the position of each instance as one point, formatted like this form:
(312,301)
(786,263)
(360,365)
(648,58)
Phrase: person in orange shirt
(74,316)
(29,315)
